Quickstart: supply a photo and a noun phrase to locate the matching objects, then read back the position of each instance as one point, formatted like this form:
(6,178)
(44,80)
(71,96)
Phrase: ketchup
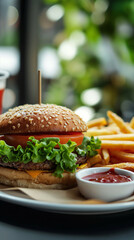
(108,177)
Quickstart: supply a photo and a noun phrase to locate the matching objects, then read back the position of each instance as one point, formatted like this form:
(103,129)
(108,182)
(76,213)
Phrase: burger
(41,146)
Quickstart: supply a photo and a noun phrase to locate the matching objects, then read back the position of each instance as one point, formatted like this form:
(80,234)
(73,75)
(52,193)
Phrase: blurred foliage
(100,55)
(104,60)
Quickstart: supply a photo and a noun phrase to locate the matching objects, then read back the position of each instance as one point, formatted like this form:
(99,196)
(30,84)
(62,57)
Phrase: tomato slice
(21,139)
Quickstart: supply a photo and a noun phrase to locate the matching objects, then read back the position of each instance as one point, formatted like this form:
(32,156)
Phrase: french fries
(118,137)
(123,156)
(99,132)
(118,145)
(114,160)
(120,123)
(132,123)
(117,142)
(105,156)
(126,165)
(94,160)
(98,165)
(97,122)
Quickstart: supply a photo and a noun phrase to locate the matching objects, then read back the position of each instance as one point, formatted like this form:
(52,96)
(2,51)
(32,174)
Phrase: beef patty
(46,165)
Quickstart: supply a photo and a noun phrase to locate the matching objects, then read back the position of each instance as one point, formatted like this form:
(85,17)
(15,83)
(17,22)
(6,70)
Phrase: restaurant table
(22,223)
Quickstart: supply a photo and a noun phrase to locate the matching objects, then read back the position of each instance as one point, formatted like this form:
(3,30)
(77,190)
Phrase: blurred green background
(85,52)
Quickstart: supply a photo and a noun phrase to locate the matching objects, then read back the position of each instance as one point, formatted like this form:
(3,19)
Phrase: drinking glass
(3,77)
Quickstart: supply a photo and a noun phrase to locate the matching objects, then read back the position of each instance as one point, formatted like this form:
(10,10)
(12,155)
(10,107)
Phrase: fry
(118,145)
(98,165)
(97,122)
(128,137)
(114,160)
(120,123)
(93,160)
(105,156)
(132,123)
(123,156)
(98,132)
(126,165)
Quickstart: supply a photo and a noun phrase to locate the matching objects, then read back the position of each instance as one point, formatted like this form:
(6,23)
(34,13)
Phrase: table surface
(24,223)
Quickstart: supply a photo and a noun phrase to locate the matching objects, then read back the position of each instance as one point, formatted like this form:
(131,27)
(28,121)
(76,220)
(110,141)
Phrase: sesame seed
(38,118)
(27,125)
(18,114)
(13,127)
(47,125)
(42,120)
(9,122)
(18,125)
(42,126)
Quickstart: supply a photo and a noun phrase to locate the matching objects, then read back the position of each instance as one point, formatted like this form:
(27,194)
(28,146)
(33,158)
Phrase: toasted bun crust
(44,180)
(42,118)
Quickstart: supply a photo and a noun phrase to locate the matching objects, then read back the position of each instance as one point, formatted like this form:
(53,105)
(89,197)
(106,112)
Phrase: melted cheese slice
(34,173)
(84,165)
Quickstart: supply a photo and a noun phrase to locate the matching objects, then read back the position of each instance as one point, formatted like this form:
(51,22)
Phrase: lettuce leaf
(89,147)
(37,151)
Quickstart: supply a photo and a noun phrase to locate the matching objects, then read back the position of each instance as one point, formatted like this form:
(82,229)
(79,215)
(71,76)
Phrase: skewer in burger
(41,146)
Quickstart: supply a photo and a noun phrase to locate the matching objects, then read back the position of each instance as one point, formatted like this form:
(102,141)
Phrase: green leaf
(89,147)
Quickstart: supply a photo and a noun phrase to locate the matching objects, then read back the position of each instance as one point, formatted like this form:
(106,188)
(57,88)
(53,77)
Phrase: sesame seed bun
(44,118)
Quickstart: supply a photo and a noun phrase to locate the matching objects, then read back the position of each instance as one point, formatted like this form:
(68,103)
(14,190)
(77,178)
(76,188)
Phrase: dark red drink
(1,99)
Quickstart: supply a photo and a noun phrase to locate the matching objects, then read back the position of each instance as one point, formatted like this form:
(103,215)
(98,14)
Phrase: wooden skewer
(39,86)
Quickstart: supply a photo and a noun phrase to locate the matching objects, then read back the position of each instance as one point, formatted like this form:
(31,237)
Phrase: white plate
(68,208)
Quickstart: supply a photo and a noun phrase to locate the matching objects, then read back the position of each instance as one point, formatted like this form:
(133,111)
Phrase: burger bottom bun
(17,178)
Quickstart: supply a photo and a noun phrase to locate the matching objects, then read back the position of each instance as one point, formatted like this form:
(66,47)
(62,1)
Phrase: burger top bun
(44,118)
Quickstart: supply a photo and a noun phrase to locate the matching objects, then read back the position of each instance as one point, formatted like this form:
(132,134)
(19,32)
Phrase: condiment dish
(104,191)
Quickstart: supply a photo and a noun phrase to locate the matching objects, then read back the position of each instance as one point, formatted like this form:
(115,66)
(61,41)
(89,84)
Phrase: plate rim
(68,208)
